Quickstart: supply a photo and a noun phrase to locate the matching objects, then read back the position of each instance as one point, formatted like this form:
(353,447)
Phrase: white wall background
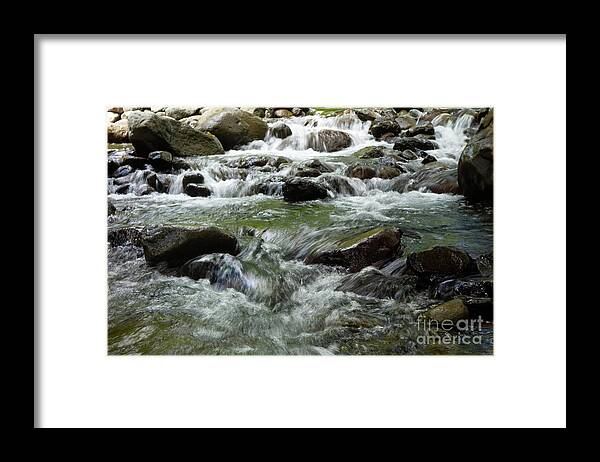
(522,385)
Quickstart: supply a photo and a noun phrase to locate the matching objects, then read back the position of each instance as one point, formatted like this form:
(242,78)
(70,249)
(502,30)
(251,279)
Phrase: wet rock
(113,165)
(198,268)
(474,286)
(123,170)
(281,113)
(371,282)
(361,171)
(385,168)
(485,264)
(176,245)
(370,152)
(111,209)
(316,164)
(329,140)
(428,159)
(382,126)
(453,310)
(436,178)
(303,189)
(192,177)
(387,172)
(479,307)
(440,261)
(362,250)
(150,132)
(402,144)
(124,236)
(366,114)
(258,161)
(144,190)
(178,112)
(233,127)
(280,130)
(476,163)
(123,189)
(118,132)
(425,129)
(162,161)
(339,184)
(308,173)
(196,190)
(405,122)
(135,162)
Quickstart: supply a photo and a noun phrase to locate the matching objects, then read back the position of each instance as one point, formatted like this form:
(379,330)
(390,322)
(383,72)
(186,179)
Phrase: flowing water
(266,300)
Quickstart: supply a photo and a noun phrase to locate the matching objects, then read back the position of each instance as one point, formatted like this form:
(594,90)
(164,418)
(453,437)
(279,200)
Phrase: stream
(266,301)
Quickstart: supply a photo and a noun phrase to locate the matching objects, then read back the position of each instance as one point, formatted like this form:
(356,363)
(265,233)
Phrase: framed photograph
(283,236)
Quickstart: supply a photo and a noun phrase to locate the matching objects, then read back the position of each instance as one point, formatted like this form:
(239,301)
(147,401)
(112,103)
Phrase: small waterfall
(451,138)
(305,133)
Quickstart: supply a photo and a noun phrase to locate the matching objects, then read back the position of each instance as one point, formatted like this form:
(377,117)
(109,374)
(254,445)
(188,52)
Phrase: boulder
(254,161)
(124,170)
(435,177)
(402,144)
(149,132)
(425,129)
(440,261)
(303,189)
(381,126)
(118,132)
(476,163)
(144,190)
(123,189)
(365,249)
(405,122)
(280,130)
(135,162)
(176,245)
(178,112)
(162,161)
(192,177)
(428,159)
(280,113)
(233,127)
(366,114)
(196,190)
(361,171)
(473,286)
(124,236)
(328,140)
(259,112)
(453,310)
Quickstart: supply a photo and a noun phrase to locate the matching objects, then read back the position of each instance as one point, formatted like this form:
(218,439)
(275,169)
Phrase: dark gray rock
(402,144)
(195,190)
(192,177)
(440,261)
(363,250)
(303,189)
(280,130)
(176,245)
(476,163)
